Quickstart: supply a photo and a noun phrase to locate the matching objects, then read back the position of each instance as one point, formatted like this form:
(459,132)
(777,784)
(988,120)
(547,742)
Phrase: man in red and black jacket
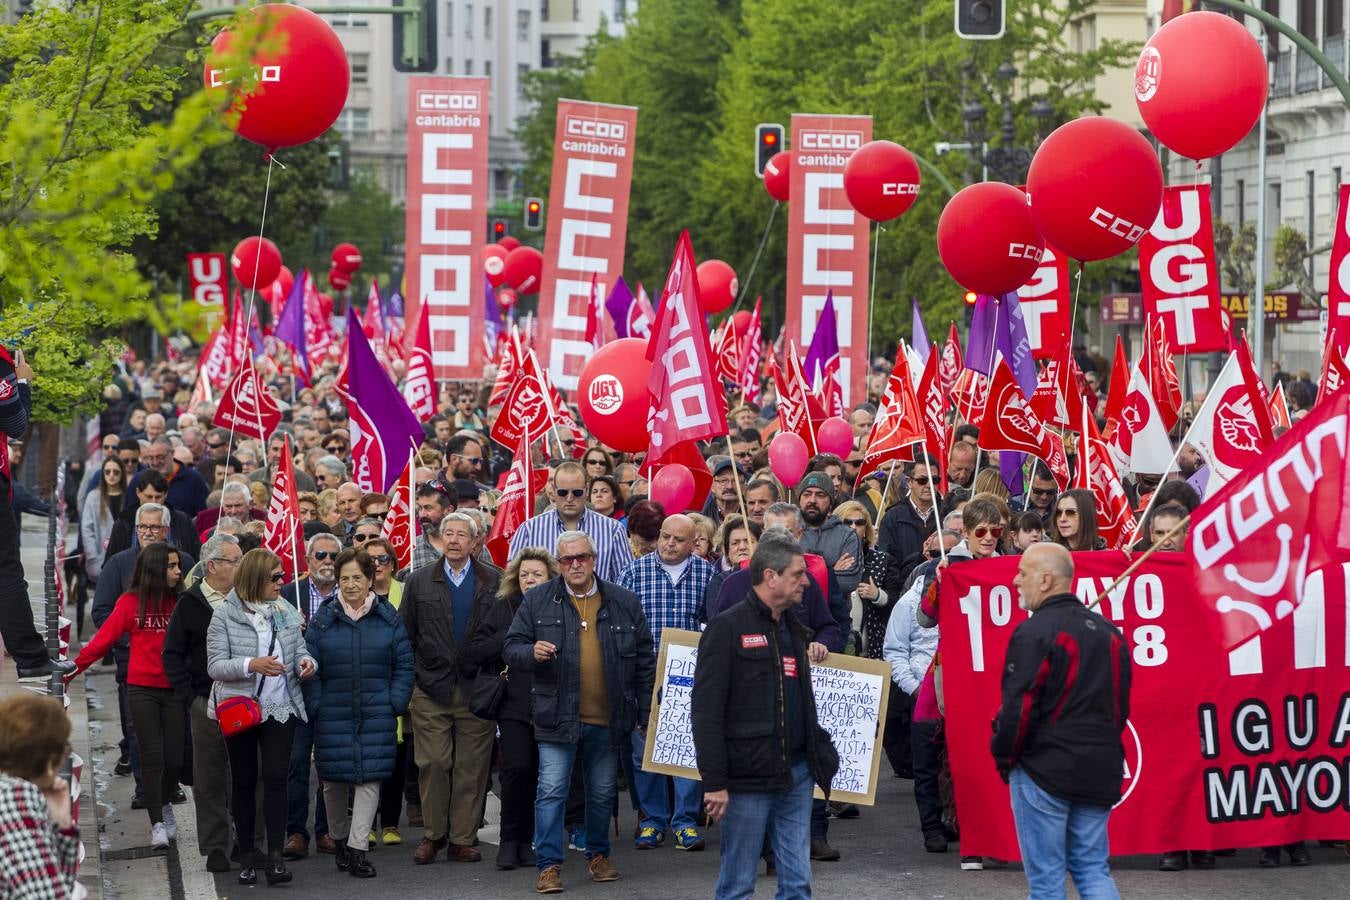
(1066,696)
(16,616)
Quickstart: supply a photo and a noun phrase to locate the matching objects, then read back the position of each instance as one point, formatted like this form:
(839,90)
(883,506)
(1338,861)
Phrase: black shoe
(508,855)
(1230,851)
(360,866)
(844,810)
(1298,854)
(1172,861)
(179,796)
(822,851)
(123,766)
(217,861)
(248,874)
(525,854)
(904,773)
(343,856)
(45,669)
(1270,857)
(950,833)
(276,871)
(138,800)
(934,843)
(1202,859)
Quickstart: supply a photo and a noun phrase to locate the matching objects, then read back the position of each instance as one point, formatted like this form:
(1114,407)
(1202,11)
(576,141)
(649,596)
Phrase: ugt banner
(1179,274)
(1047,303)
(447,213)
(827,242)
(592,174)
(1220,750)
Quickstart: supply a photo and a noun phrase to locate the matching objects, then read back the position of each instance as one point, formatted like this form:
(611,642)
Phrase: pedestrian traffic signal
(498,230)
(415,36)
(768,141)
(979,20)
(534,214)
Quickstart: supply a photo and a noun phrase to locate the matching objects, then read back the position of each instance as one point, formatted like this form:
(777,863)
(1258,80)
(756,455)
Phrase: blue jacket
(363,685)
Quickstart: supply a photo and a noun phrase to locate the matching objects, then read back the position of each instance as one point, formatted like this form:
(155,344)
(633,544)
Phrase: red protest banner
(206,278)
(1047,302)
(1179,274)
(247,407)
(1220,750)
(447,205)
(827,242)
(1338,288)
(593,152)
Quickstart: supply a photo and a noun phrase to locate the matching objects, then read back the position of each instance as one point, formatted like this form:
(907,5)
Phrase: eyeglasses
(595,462)
(744,454)
(921,480)
(215,446)
(152,528)
(278,578)
(381,560)
(989,530)
(437,485)
(227,560)
(362,538)
(856,523)
(322,555)
(576,559)
(1042,492)
(1067,512)
(569,492)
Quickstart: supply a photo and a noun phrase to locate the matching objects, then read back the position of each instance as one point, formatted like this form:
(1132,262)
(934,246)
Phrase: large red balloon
(881,180)
(740,322)
(717,285)
(778,176)
(1201,84)
(285,280)
(612,394)
(506,297)
(346,257)
(302,87)
(788,457)
(494,263)
(508,243)
(524,266)
(256,262)
(987,239)
(835,435)
(339,280)
(1095,186)
(673,487)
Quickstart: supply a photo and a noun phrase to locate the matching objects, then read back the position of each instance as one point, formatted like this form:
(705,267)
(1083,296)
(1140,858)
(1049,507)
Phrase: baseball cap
(719,464)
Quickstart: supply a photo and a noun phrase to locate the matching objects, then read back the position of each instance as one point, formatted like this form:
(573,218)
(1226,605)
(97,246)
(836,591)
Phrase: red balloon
(524,268)
(326,305)
(673,487)
(494,263)
(788,457)
(778,176)
(835,436)
(717,285)
(1095,187)
(339,280)
(302,88)
(741,322)
(285,280)
(506,298)
(508,243)
(1201,84)
(612,394)
(346,257)
(987,239)
(881,180)
(256,262)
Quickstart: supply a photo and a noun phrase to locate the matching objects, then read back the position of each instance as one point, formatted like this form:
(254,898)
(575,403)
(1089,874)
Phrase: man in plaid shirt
(670,583)
(569,513)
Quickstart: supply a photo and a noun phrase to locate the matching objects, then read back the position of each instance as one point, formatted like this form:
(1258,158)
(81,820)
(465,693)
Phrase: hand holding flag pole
(1138,561)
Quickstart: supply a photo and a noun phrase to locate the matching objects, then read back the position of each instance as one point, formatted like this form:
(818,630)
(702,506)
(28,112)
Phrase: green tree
(369,218)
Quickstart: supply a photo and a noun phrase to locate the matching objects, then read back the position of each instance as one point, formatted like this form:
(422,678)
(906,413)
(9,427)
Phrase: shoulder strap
(271,645)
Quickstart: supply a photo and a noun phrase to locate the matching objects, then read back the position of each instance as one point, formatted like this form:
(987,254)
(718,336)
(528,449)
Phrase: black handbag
(489,693)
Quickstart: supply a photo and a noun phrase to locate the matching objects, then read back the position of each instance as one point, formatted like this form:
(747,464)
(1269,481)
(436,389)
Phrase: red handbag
(239,714)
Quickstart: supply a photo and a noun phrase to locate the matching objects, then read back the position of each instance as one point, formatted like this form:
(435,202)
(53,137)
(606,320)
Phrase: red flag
(951,364)
(1338,282)
(687,403)
(401,525)
(1335,369)
(1179,273)
(373,323)
(1059,396)
(1009,424)
(318,330)
(898,424)
(238,346)
(798,408)
(1118,388)
(247,407)
(752,352)
(1232,429)
(1256,544)
(1096,473)
(1279,408)
(595,323)
(532,405)
(728,352)
(1160,372)
(419,384)
(215,360)
(509,357)
(523,483)
(201,392)
(933,408)
(971,393)
(285,532)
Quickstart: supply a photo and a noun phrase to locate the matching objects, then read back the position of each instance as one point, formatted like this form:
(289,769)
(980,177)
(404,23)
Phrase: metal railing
(1334,46)
(1283,83)
(1305,74)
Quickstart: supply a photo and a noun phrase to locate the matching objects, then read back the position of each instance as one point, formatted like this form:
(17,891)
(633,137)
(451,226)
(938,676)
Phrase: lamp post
(1007,161)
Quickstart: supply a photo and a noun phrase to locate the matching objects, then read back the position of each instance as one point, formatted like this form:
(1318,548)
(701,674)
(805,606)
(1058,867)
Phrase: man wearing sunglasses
(570,513)
(908,523)
(1044,491)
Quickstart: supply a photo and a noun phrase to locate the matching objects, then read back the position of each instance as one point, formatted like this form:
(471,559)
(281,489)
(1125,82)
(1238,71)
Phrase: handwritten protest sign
(850,697)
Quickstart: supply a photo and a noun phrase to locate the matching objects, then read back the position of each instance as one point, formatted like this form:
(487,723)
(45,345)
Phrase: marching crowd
(409,690)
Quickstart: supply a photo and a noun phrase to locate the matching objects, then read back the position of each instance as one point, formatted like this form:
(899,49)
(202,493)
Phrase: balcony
(1306,72)
(1282,85)
(1334,46)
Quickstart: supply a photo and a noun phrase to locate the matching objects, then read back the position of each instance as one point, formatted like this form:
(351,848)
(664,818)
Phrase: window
(487,22)
(450,19)
(360,63)
(1241,203)
(353,120)
(468,20)
(576,10)
(348,20)
(523,25)
(487,67)
(1307,19)
(468,67)
(522,71)
(1272,35)
(545,55)
(449,65)
(1333,17)
(620,10)
(1311,187)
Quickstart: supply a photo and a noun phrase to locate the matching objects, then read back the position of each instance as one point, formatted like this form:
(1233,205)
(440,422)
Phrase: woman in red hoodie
(143,612)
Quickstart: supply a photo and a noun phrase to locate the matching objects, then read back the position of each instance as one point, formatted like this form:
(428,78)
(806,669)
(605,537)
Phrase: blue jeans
(654,795)
(599,761)
(297,786)
(785,817)
(1053,835)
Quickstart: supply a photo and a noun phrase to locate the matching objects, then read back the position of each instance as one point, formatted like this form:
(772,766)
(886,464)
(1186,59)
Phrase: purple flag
(392,306)
(918,335)
(1014,347)
(383,428)
(492,317)
(291,326)
(619,304)
(980,340)
(822,357)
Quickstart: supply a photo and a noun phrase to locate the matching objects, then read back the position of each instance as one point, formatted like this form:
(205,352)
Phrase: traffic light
(768,141)
(534,214)
(971,297)
(979,20)
(415,36)
(497,231)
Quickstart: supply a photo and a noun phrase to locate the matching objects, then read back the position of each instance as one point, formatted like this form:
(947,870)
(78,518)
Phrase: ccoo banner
(1179,274)
(587,227)
(827,242)
(1338,290)
(447,214)
(1246,748)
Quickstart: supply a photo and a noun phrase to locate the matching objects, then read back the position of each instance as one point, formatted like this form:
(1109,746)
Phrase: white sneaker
(972,863)
(159,836)
(170,825)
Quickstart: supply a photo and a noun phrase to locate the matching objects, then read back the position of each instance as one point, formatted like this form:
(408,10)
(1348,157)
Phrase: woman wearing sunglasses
(254,649)
(871,605)
(597,462)
(1074,522)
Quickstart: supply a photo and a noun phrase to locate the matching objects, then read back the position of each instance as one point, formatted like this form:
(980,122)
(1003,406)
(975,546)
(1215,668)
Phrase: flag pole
(1139,560)
(885,493)
(736,477)
(937,523)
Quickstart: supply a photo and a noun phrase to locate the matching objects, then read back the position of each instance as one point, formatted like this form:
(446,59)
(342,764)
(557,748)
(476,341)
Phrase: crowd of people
(407,690)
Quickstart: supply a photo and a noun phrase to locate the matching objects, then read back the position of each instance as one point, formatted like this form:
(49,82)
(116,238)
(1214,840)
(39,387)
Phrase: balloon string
(872,286)
(764,239)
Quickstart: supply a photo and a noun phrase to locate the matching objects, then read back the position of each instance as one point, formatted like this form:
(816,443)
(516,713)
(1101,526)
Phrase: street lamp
(1007,161)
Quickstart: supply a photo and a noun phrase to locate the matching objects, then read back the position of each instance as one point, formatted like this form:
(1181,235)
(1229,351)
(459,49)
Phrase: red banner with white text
(1047,302)
(207,278)
(827,242)
(1338,287)
(1242,749)
(447,217)
(1179,274)
(593,152)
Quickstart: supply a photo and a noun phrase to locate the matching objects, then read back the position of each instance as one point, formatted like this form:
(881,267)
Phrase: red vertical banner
(1047,303)
(828,242)
(1338,288)
(587,227)
(447,217)
(1179,275)
(207,278)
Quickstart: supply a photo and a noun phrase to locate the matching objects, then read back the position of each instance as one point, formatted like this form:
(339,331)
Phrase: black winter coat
(485,652)
(901,535)
(426,610)
(185,645)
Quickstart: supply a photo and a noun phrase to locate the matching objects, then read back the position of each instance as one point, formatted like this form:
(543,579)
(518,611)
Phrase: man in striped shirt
(569,513)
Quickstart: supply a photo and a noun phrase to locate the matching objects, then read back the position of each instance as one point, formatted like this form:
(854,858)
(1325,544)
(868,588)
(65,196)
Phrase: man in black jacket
(1066,697)
(908,523)
(759,745)
(587,643)
(185,665)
